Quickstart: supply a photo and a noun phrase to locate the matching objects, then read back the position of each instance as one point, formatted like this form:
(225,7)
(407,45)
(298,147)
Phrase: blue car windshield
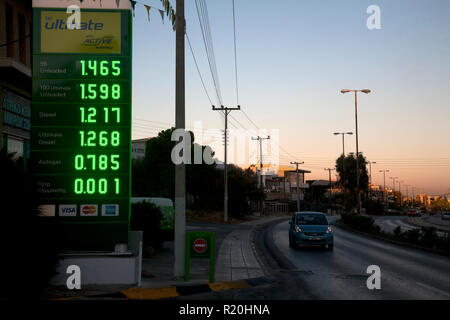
(311,219)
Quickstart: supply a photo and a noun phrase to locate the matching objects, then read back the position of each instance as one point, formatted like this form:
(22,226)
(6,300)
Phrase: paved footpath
(236,267)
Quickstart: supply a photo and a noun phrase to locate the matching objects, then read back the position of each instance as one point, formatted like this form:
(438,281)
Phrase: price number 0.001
(95,186)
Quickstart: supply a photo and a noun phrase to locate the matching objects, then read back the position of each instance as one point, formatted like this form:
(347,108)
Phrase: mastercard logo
(89,210)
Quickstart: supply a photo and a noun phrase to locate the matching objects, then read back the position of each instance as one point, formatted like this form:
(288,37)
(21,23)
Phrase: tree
(154,176)
(350,176)
(440,204)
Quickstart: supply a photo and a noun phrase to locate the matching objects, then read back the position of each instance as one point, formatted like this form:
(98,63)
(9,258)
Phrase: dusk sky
(294,57)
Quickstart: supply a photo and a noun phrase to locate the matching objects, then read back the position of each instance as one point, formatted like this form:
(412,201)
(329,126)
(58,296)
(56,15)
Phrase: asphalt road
(341,274)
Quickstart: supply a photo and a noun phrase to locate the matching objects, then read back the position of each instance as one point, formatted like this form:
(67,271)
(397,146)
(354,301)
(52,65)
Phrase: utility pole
(407,194)
(329,185)
(400,191)
(384,185)
(226,111)
(298,182)
(370,178)
(393,187)
(180,169)
(260,139)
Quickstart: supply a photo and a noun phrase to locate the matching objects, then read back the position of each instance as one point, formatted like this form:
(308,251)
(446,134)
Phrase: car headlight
(298,229)
(329,230)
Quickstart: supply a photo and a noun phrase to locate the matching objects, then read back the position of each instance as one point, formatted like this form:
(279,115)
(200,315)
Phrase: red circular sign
(200,245)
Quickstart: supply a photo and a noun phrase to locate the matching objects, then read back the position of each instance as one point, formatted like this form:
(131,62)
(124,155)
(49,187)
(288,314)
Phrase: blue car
(310,228)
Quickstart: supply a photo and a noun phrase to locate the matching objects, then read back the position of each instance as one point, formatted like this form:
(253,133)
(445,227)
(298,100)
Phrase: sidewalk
(430,221)
(236,266)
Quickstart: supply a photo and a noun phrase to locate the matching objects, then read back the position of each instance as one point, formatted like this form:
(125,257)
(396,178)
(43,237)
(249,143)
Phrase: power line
(235,55)
(198,70)
(203,19)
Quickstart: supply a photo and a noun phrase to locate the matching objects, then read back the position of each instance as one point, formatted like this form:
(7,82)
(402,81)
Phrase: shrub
(444,242)
(397,232)
(429,236)
(146,216)
(361,223)
(30,245)
(412,236)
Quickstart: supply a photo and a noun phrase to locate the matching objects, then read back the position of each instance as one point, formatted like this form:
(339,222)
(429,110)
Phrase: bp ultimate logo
(67,210)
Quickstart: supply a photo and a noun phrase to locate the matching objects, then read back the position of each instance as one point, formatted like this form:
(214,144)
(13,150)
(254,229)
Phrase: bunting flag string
(148,11)
(162,15)
(168,11)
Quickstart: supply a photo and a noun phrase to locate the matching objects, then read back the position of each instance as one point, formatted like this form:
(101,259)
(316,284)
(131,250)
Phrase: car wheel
(291,244)
(330,247)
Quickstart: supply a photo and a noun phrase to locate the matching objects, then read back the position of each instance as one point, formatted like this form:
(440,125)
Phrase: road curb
(191,289)
(404,244)
(266,252)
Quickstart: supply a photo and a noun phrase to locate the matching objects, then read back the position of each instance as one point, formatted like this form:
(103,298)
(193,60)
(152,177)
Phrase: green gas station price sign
(81,124)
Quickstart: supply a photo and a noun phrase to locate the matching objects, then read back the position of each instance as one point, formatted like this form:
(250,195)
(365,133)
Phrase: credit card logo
(110,210)
(67,210)
(88,210)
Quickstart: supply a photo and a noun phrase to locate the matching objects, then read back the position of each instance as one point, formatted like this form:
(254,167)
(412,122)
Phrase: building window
(22,41)
(15,146)
(9,30)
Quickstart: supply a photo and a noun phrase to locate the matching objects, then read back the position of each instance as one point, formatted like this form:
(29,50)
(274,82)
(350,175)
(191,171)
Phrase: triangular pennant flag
(168,8)
(175,23)
(148,11)
(173,16)
(133,5)
(117,3)
(161,12)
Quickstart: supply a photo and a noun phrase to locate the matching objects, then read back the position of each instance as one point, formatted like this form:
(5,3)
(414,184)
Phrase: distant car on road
(446,215)
(414,213)
(310,228)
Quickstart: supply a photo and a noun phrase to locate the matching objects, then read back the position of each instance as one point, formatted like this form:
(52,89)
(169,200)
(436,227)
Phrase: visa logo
(60,24)
(67,210)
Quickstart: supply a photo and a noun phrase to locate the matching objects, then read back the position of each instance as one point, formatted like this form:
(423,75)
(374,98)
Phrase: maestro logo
(88,210)
(110,210)
(67,210)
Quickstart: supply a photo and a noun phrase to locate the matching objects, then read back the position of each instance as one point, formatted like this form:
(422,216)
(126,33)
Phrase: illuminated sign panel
(81,122)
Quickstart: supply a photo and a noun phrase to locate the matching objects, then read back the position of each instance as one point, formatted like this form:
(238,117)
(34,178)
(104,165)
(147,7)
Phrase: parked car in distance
(445,215)
(414,213)
(310,228)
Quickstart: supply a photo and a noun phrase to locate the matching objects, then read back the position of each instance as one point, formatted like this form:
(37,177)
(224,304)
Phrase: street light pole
(343,162)
(384,185)
(393,186)
(366,91)
(329,186)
